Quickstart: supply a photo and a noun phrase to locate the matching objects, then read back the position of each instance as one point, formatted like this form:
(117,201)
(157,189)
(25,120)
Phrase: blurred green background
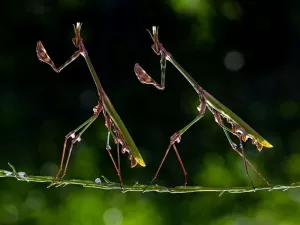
(245,53)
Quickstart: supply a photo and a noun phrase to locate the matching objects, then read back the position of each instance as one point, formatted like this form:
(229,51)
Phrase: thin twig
(108,185)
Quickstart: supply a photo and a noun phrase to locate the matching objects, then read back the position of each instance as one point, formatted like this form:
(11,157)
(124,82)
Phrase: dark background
(39,107)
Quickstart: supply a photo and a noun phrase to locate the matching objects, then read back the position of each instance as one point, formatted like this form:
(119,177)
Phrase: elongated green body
(226,112)
(109,108)
(119,123)
(236,119)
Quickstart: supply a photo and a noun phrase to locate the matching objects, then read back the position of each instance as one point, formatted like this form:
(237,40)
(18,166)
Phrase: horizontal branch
(108,185)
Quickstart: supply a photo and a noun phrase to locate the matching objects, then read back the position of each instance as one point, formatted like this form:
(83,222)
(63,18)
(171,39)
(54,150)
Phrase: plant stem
(108,185)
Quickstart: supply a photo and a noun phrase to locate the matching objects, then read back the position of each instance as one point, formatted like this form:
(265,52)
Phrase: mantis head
(154,35)
(77,40)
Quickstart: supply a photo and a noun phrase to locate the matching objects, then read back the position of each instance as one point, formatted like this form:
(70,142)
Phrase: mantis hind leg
(233,145)
(176,138)
(241,154)
(117,168)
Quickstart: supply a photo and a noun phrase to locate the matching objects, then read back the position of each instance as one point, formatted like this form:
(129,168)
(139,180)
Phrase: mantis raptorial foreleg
(44,57)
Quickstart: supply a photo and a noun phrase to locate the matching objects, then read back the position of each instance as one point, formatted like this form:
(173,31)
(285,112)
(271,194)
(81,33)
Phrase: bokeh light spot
(192,6)
(293,168)
(234,61)
(113,216)
(35,200)
(12,213)
(231,10)
(48,169)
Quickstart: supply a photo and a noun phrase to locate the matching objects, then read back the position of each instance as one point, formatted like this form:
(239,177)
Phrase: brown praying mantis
(239,128)
(113,122)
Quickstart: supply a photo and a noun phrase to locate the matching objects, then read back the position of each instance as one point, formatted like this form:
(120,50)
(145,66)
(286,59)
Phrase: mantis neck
(94,75)
(190,79)
(85,54)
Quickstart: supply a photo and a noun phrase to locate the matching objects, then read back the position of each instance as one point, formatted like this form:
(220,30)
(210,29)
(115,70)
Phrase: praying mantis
(113,122)
(239,128)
